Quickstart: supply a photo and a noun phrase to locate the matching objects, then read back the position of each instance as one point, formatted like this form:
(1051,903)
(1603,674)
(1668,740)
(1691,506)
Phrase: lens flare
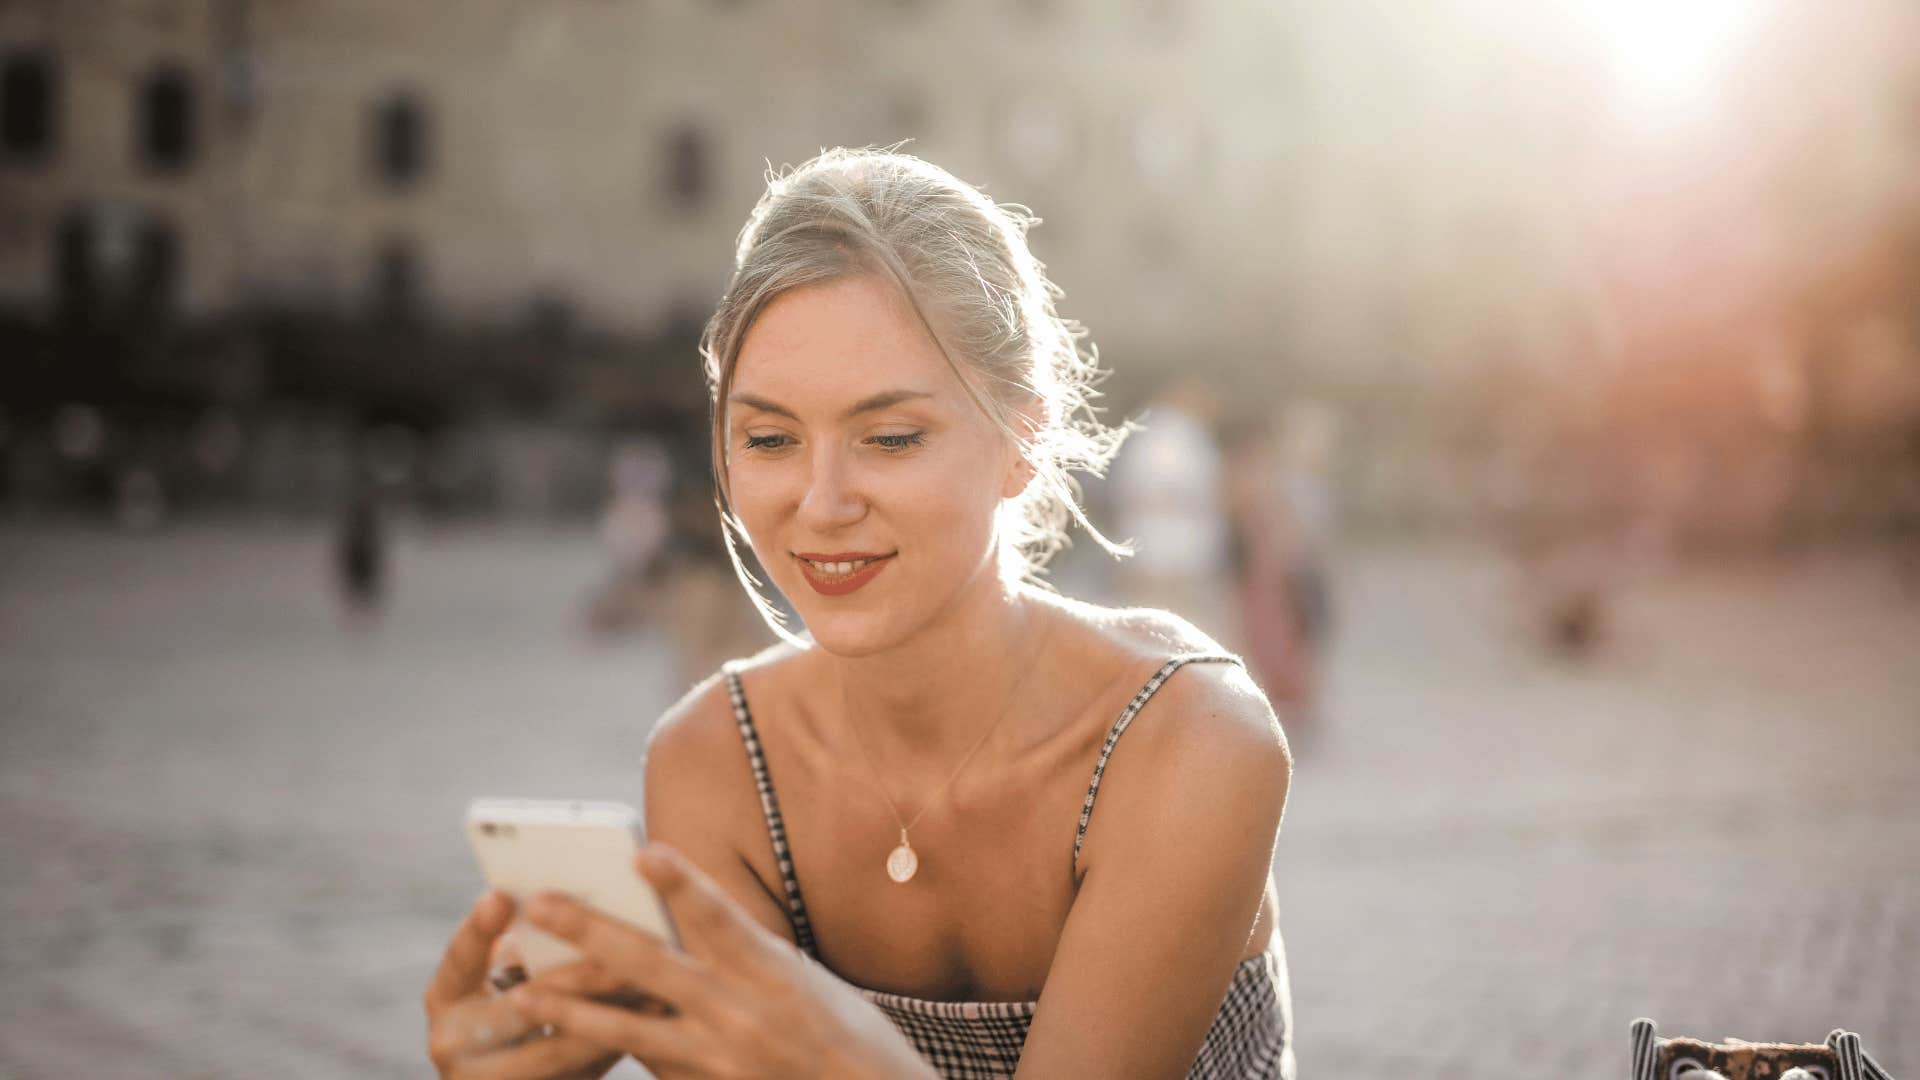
(1666,60)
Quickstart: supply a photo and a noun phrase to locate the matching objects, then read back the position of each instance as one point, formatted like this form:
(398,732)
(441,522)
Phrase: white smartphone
(581,848)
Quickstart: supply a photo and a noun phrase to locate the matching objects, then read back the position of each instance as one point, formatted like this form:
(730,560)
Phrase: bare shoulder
(700,796)
(1207,727)
(695,745)
(1211,714)
(1158,632)
(1144,639)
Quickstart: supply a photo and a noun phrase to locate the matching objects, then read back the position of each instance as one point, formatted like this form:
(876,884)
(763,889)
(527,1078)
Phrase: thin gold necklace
(902,861)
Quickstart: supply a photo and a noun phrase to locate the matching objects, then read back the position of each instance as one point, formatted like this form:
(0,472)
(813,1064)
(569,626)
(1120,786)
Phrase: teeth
(838,567)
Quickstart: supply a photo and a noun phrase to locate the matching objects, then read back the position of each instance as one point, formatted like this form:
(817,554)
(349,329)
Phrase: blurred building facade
(486,161)
(1471,225)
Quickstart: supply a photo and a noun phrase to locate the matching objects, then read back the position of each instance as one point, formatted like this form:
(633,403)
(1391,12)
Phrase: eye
(897,443)
(767,442)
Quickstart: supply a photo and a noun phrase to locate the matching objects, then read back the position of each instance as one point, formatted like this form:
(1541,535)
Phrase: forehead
(842,339)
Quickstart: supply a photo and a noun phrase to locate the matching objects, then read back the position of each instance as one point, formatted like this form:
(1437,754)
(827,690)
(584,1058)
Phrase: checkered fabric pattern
(1841,1057)
(965,1040)
(978,1040)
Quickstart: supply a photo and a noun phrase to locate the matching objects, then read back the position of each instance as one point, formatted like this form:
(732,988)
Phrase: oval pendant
(902,864)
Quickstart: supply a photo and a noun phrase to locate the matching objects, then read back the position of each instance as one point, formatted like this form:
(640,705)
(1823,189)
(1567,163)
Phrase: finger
(473,1027)
(581,978)
(635,958)
(560,1055)
(506,951)
(655,1040)
(505,966)
(586,978)
(711,924)
(464,964)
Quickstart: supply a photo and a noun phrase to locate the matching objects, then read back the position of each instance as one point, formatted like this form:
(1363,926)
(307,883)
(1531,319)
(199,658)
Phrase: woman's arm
(700,799)
(1175,864)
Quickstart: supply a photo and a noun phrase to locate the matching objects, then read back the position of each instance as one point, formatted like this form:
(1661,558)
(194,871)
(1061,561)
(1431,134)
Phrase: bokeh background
(1531,388)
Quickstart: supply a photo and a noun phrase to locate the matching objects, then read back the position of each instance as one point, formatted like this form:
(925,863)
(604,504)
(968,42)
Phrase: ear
(1020,472)
(1028,419)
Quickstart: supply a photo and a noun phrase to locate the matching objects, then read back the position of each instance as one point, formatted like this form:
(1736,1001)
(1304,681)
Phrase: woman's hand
(741,1002)
(472,1031)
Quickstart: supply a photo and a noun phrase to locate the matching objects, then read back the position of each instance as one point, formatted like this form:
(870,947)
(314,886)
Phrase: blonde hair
(961,261)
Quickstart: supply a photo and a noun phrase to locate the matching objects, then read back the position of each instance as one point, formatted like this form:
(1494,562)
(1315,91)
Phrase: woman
(928,889)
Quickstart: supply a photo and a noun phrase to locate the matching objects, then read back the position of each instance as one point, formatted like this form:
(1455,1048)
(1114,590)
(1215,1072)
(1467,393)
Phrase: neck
(929,700)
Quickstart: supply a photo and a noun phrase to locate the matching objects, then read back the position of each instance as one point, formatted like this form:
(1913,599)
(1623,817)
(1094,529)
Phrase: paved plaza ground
(231,821)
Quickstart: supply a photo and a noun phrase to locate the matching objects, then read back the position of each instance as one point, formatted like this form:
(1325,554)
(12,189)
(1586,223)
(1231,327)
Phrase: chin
(852,634)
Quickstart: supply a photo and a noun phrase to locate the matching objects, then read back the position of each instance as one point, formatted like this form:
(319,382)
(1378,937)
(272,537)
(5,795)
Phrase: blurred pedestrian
(360,554)
(1169,492)
(1905,510)
(1283,524)
(635,529)
(696,595)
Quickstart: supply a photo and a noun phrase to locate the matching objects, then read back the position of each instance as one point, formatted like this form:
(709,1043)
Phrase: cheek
(756,496)
(952,506)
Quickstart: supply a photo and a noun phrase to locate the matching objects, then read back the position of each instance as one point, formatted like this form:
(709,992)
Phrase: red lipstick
(833,582)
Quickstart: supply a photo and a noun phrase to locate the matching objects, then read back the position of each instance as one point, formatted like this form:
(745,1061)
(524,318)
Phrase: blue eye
(766,442)
(897,443)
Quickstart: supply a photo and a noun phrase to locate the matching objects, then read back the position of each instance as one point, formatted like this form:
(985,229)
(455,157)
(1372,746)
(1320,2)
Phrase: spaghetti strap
(770,806)
(1120,726)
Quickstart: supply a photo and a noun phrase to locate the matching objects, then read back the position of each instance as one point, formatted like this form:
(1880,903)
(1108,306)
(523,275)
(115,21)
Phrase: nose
(832,499)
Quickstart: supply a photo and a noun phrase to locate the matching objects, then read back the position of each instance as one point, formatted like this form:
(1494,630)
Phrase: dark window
(166,121)
(26,98)
(156,284)
(116,267)
(688,166)
(397,284)
(401,134)
(550,317)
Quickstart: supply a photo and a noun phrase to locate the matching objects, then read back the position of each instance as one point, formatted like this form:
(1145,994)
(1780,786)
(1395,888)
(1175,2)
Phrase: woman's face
(866,477)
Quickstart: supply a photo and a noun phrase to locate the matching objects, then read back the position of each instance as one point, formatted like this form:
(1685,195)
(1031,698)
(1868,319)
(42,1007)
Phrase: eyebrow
(882,400)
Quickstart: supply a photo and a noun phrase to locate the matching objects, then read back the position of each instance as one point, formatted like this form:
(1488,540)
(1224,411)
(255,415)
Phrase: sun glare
(1665,58)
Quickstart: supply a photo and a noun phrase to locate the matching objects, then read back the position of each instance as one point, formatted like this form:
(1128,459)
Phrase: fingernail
(660,863)
(494,905)
(509,977)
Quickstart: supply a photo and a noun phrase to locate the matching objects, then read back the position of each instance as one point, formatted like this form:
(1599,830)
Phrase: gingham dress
(976,1040)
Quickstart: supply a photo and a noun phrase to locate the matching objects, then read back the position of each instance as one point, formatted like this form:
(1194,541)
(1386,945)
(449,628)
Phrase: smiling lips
(840,573)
